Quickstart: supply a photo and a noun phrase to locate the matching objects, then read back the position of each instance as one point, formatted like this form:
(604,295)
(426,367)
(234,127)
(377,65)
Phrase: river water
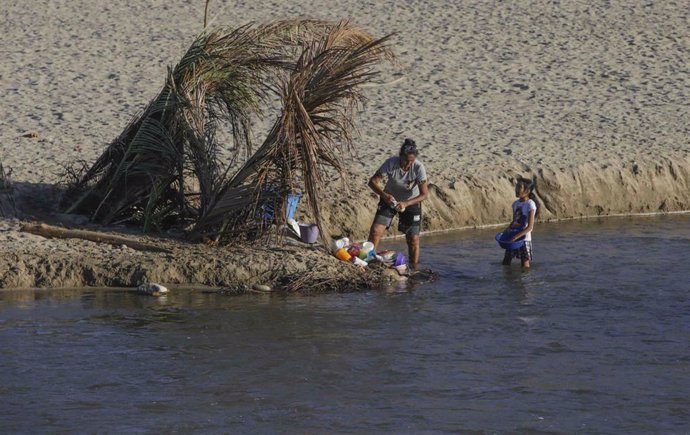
(594,339)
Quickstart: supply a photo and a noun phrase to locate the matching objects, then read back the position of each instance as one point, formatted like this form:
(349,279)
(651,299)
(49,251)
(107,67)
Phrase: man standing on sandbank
(403,194)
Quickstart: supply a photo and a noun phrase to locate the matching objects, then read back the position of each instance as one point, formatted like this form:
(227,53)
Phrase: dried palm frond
(315,127)
(311,282)
(147,164)
(168,168)
(221,81)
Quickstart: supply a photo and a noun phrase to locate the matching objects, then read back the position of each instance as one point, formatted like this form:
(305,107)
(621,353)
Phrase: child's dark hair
(408,147)
(530,185)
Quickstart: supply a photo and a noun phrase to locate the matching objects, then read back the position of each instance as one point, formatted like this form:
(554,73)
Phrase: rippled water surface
(595,338)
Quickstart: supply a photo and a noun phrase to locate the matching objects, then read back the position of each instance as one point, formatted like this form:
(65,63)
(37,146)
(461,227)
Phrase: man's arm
(423,194)
(375,185)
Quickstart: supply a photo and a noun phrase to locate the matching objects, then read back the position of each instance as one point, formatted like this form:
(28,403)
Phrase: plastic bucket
(503,240)
(309,233)
(341,254)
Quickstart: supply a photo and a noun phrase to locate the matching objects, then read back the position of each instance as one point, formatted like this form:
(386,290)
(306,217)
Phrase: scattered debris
(152,289)
(262,287)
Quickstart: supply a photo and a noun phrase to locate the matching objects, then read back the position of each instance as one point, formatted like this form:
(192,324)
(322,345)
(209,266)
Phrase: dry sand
(591,97)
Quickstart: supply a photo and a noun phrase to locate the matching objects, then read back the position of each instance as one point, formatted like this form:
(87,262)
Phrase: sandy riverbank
(29,261)
(592,99)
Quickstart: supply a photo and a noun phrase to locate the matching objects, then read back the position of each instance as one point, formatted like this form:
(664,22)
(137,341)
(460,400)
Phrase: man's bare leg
(375,233)
(413,250)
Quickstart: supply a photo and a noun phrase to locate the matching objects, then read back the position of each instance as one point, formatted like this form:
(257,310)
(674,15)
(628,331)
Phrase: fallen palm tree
(51,231)
(169,168)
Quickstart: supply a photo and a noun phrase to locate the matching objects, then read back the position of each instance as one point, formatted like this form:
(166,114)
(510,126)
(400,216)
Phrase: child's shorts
(524,252)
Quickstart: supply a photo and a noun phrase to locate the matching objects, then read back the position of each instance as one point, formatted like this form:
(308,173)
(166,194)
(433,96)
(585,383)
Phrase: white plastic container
(366,251)
(359,262)
(366,247)
(340,243)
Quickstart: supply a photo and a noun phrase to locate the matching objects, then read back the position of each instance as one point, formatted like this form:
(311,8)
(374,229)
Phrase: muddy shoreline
(32,261)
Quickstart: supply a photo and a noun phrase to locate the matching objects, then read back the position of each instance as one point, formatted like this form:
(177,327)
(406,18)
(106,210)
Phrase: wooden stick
(206,12)
(92,236)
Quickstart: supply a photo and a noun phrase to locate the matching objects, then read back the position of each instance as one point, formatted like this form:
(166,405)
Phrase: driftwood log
(92,236)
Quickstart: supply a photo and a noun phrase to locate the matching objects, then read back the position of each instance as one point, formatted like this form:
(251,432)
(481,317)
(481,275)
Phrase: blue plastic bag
(400,259)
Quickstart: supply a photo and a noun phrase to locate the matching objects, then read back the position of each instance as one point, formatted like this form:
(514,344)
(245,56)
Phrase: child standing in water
(524,215)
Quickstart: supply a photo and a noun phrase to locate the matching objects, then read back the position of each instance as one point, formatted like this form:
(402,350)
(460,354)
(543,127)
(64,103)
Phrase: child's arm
(530,225)
(512,221)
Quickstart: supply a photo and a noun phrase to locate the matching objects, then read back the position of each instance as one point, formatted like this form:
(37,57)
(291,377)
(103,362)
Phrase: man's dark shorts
(409,221)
